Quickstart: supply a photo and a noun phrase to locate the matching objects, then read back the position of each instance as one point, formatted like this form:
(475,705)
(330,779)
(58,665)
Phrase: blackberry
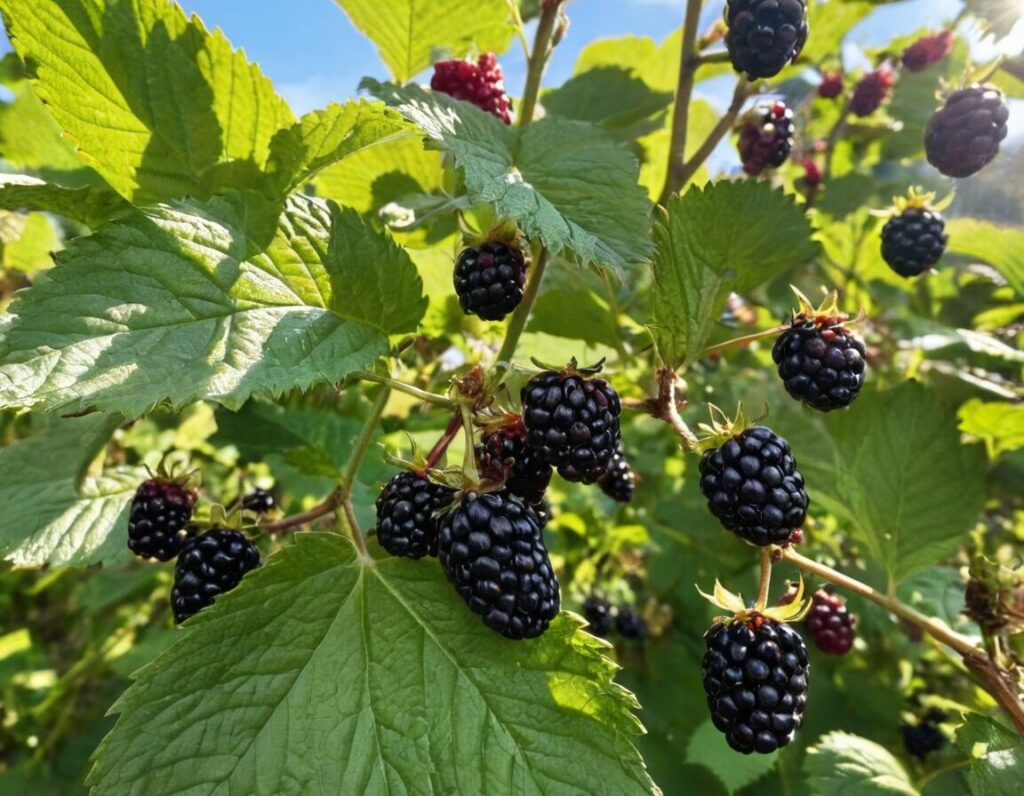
(914,241)
(755,679)
(820,362)
(829,622)
(489,280)
(491,548)
(504,456)
(927,51)
(766,138)
(599,614)
(158,522)
(764,35)
(211,564)
(963,136)
(481,84)
(831,85)
(753,487)
(573,422)
(259,500)
(618,481)
(922,739)
(871,91)
(407,514)
(630,623)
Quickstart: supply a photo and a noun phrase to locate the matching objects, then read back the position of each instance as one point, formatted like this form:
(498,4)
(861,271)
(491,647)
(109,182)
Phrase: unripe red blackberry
(503,455)
(764,35)
(407,509)
(753,487)
(572,421)
(829,621)
(928,50)
(489,280)
(618,481)
(871,91)
(914,241)
(481,84)
(755,679)
(820,362)
(831,85)
(766,138)
(210,564)
(158,523)
(964,135)
(492,550)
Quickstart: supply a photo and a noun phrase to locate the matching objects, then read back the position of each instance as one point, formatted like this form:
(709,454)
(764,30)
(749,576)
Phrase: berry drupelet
(407,510)
(210,564)
(820,362)
(489,280)
(158,524)
(764,35)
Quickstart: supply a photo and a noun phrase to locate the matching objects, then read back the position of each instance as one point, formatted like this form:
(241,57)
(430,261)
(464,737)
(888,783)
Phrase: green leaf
(708,748)
(410,33)
(565,182)
(27,242)
(830,22)
(999,424)
(322,138)
(157,105)
(90,205)
(1000,247)
(326,673)
(909,489)
(854,766)
(608,96)
(996,754)
(178,305)
(702,257)
(53,512)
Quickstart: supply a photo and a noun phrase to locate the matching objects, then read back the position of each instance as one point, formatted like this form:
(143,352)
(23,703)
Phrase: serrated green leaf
(178,305)
(565,182)
(90,205)
(910,491)
(322,138)
(30,138)
(53,513)
(409,34)
(1000,247)
(709,748)
(608,96)
(323,673)
(830,22)
(701,258)
(854,766)
(157,105)
(999,424)
(996,754)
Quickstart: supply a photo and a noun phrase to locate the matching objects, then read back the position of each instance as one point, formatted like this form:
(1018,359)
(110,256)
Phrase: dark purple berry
(407,514)
(158,523)
(210,564)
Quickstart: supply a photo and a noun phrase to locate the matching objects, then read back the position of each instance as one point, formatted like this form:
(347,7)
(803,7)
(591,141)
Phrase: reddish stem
(442,444)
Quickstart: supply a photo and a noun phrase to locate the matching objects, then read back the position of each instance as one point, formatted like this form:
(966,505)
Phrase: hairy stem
(684,93)
(666,408)
(322,509)
(686,171)
(408,389)
(519,318)
(766,579)
(542,46)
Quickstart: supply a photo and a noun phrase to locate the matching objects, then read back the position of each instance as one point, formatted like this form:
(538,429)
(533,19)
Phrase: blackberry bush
(489,280)
(211,564)
(963,136)
(765,35)
(158,526)
(407,514)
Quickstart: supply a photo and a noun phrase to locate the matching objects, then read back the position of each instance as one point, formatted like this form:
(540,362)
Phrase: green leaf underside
(699,260)
(51,514)
(854,766)
(708,748)
(566,182)
(911,491)
(324,674)
(157,105)
(177,305)
(409,33)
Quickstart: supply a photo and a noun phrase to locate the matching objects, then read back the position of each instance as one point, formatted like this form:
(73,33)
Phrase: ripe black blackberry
(211,564)
(572,421)
(914,241)
(158,524)
(829,621)
(489,280)
(764,35)
(753,487)
(618,481)
(503,455)
(925,737)
(492,550)
(259,500)
(963,136)
(599,615)
(820,362)
(407,514)
(630,623)
(755,679)
(766,138)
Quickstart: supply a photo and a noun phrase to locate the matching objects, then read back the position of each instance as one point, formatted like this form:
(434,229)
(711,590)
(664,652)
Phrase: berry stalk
(688,64)
(446,439)
(517,323)
(666,408)
(542,47)
(408,389)
(355,459)
(766,579)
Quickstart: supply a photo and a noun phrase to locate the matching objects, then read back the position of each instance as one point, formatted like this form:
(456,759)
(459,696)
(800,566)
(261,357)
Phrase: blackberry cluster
(765,35)
(259,500)
(481,84)
(491,548)
(964,135)
(489,280)
(820,362)
(572,421)
(209,565)
(753,487)
(766,139)
(755,679)
(618,481)
(630,624)
(927,51)
(871,91)
(158,524)
(831,85)
(914,241)
(504,456)
(407,511)
(599,615)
